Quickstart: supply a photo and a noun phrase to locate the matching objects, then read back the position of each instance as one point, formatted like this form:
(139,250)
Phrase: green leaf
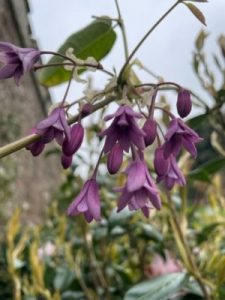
(63,278)
(96,40)
(196,12)
(205,171)
(204,234)
(160,288)
(196,121)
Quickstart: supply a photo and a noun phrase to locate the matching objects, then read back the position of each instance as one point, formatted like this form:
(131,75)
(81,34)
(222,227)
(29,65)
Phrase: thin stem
(97,164)
(194,269)
(25,141)
(68,87)
(144,38)
(123,30)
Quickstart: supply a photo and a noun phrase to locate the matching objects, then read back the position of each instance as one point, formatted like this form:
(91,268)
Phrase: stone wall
(25,181)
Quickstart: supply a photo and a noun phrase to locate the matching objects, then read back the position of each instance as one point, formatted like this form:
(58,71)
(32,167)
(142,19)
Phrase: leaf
(95,40)
(63,278)
(196,121)
(205,171)
(199,42)
(196,12)
(206,231)
(160,288)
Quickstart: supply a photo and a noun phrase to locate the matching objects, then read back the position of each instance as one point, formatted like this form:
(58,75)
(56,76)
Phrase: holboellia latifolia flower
(17,61)
(139,191)
(87,202)
(121,134)
(180,135)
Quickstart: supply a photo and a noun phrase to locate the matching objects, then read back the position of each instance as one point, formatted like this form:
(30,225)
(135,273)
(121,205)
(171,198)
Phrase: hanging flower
(17,61)
(87,202)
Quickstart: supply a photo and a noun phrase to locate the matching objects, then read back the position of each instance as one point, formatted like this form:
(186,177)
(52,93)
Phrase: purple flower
(71,145)
(184,103)
(150,128)
(140,191)
(87,202)
(17,60)
(180,135)
(115,159)
(173,174)
(124,130)
(54,126)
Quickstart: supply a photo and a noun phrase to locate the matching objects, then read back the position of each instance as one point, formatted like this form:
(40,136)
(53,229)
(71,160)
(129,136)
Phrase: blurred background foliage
(127,256)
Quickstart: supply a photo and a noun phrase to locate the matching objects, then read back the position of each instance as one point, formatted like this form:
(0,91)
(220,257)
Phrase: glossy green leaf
(96,40)
(160,288)
(63,278)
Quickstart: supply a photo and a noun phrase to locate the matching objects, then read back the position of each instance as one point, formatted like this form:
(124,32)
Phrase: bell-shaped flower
(115,159)
(150,129)
(87,202)
(180,135)
(184,103)
(140,191)
(17,61)
(124,130)
(173,174)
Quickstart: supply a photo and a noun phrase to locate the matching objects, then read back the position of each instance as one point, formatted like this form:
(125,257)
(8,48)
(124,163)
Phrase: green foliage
(96,40)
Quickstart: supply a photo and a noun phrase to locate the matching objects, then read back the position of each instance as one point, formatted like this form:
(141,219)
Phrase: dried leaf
(196,12)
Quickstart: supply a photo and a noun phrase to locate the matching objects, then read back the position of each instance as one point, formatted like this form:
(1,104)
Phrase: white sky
(167,52)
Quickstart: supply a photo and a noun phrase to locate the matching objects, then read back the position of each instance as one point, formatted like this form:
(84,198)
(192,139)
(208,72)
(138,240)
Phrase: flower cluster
(129,132)
(55,126)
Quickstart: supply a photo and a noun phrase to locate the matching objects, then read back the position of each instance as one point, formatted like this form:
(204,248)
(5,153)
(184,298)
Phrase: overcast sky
(167,52)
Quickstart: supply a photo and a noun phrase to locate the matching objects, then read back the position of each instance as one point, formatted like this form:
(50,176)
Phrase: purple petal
(36,148)
(71,146)
(64,122)
(18,74)
(48,135)
(136,176)
(30,59)
(160,163)
(66,161)
(7,71)
(150,128)
(93,200)
(123,200)
(50,120)
(4,46)
(72,209)
(115,159)
(58,136)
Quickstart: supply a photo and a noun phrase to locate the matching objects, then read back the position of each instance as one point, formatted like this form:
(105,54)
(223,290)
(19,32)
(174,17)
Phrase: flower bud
(115,159)
(184,103)
(160,163)
(150,128)
(70,146)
